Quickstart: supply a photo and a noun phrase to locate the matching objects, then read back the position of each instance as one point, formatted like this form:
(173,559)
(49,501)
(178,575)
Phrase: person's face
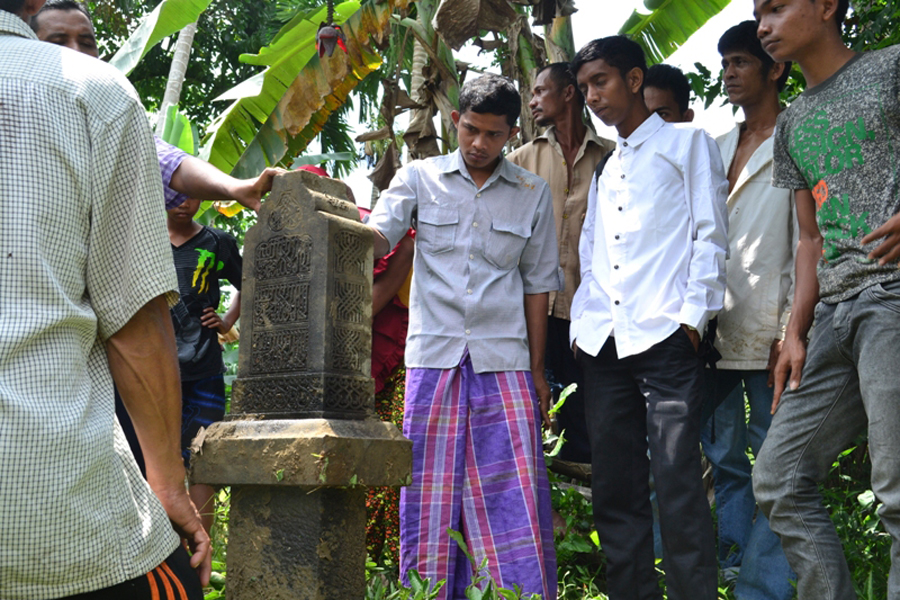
(548,100)
(481,138)
(786,28)
(185,211)
(745,78)
(608,93)
(69,28)
(663,103)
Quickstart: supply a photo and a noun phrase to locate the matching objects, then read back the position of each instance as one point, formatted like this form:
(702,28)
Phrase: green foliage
(669,24)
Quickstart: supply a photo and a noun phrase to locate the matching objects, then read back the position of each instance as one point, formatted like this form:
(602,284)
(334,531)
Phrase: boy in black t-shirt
(202,256)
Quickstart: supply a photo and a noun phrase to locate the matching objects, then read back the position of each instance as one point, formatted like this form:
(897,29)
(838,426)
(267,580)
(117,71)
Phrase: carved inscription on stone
(350,394)
(280,350)
(349,254)
(349,300)
(280,304)
(278,394)
(288,214)
(284,256)
(348,349)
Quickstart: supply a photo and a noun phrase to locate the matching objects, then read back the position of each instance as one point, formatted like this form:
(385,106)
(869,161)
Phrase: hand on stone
(211,319)
(249,192)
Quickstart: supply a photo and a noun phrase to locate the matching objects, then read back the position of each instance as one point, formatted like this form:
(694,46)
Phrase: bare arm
(144,366)
(536,306)
(806,295)
(394,276)
(382,245)
(199,179)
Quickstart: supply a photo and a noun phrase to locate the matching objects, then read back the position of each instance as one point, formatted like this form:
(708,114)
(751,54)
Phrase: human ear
(634,80)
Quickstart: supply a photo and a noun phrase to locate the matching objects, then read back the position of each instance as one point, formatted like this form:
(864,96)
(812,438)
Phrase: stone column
(302,440)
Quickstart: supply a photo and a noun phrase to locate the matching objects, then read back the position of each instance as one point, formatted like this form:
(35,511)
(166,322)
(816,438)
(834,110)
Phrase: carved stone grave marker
(301,440)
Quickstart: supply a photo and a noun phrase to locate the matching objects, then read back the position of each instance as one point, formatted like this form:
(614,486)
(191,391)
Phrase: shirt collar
(590,136)
(455,162)
(651,125)
(11,24)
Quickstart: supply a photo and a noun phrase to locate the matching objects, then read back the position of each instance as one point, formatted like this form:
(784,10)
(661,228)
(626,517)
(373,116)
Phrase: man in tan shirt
(565,156)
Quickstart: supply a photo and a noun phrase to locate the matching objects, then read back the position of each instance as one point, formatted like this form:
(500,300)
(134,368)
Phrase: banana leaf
(169,16)
(294,97)
(669,25)
(180,131)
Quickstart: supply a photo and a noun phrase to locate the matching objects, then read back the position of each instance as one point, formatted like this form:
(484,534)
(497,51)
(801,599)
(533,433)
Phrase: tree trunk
(559,40)
(177,72)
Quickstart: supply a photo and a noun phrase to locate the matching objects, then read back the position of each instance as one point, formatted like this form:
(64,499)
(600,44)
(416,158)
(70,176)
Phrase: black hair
(63,5)
(12,6)
(492,94)
(562,76)
(670,79)
(743,38)
(616,50)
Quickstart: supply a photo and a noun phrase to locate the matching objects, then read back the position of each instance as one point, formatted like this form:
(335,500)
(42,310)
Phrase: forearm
(199,179)
(381,244)
(394,276)
(233,313)
(806,288)
(144,365)
(536,324)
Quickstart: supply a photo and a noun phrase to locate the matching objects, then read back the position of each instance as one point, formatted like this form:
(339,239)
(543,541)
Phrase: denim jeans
(744,542)
(849,383)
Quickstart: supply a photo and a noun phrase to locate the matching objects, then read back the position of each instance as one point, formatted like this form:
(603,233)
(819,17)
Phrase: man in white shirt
(652,253)
(762,237)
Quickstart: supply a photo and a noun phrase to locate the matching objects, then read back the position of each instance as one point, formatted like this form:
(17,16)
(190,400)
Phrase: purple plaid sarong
(478,468)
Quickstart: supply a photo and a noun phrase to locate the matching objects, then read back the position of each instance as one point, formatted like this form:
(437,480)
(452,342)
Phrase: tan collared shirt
(544,157)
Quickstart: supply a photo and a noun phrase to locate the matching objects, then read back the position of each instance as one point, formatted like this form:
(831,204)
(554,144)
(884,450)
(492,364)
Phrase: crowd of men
(669,274)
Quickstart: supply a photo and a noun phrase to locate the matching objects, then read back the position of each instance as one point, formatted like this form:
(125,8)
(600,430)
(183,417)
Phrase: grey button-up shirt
(478,251)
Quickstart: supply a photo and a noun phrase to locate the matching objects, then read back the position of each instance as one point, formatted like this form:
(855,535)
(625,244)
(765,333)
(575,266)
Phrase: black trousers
(652,397)
(174,579)
(562,369)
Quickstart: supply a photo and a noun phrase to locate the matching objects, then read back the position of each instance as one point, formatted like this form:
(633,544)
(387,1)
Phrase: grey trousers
(851,380)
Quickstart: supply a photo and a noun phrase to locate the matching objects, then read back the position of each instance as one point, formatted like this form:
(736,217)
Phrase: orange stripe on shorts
(182,595)
(154,590)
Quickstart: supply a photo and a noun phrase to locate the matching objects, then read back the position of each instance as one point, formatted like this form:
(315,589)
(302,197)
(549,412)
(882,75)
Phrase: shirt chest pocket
(436,229)
(505,244)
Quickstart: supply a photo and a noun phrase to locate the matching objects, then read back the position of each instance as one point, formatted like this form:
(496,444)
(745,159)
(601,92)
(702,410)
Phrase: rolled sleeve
(393,214)
(707,194)
(539,263)
(170,158)
(129,255)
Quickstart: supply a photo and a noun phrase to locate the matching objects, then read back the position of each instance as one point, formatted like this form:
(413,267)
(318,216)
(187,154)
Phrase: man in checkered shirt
(86,278)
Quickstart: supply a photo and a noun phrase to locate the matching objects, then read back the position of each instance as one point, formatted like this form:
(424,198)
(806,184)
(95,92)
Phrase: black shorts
(174,579)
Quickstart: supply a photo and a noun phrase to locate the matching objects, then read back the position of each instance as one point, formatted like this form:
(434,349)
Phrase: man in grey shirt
(486,258)
(836,147)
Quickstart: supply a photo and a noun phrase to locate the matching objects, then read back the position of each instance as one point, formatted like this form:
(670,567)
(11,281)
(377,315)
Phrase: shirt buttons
(617,237)
(479,195)
(620,208)
(475,224)
(615,266)
(468,331)
(469,291)
(617,303)
(625,144)
(564,163)
(566,190)
(565,215)
(623,175)
(471,257)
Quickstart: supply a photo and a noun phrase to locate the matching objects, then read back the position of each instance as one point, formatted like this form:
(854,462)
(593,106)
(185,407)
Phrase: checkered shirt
(83,246)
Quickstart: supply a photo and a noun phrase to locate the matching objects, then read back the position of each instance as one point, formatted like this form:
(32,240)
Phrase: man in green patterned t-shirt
(836,146)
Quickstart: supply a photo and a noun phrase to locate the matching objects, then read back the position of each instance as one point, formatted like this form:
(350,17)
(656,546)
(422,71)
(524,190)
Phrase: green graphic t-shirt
(840,140)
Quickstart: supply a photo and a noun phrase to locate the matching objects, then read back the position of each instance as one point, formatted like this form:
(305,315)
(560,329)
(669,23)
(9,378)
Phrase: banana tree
(669,24)
(277,112)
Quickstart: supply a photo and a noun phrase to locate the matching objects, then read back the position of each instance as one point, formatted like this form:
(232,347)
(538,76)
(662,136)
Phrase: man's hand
(790,364)
(249,192)
(889,249)
(544,396)
(694,335)
(186,521)
(774,353)
(211,319)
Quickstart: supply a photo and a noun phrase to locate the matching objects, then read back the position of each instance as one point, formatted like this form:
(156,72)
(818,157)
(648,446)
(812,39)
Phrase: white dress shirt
(654,241)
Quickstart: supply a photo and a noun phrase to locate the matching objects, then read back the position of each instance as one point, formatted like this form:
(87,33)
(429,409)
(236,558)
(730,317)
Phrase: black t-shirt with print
(200,263)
